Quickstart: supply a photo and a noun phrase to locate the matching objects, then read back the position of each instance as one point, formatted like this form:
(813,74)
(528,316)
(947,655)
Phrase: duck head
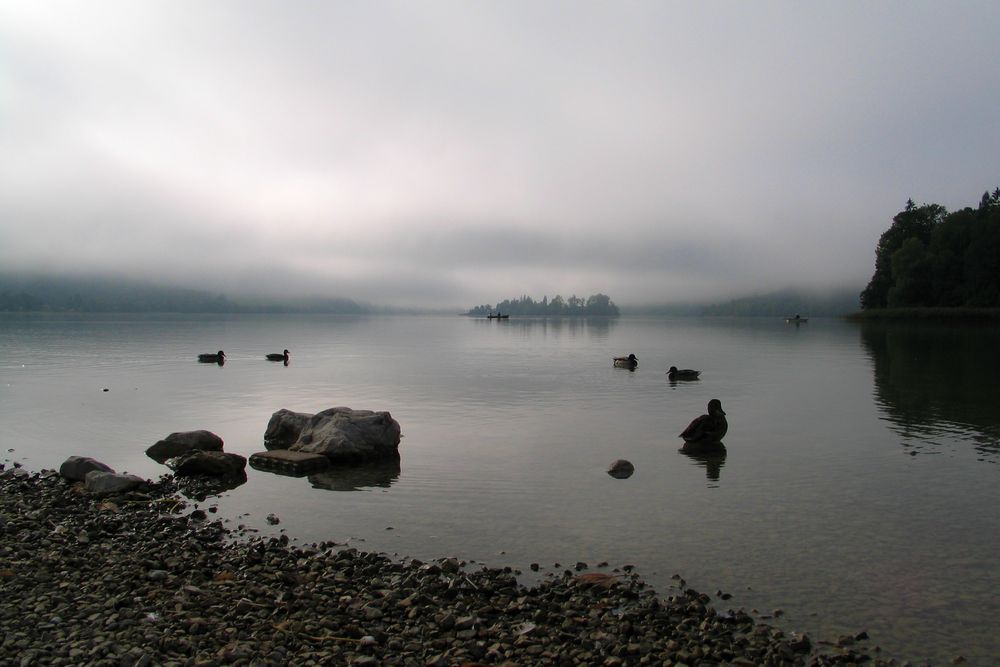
(715,407)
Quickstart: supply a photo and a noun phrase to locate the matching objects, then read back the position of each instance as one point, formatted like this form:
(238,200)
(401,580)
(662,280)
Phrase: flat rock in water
(287,462)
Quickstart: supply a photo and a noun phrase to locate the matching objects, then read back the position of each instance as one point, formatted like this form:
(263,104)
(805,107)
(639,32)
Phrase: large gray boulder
(341,434)
(212,464)
(184,442)
(75,468)
(102,482)
(284,428)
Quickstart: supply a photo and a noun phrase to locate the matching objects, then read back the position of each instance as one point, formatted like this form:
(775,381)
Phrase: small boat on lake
(797,319)
(498,316)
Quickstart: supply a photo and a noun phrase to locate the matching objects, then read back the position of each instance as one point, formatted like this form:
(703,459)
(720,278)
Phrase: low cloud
(452,154)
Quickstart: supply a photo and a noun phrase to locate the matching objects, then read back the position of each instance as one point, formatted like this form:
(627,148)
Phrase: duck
(707,429)
(626,362)
(217,358)
(274,356)
(682,373)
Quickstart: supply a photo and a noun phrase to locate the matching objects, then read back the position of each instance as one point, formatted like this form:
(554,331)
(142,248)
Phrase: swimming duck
(278,357)
(626,362)
(682,373)
(707,429)
(217,358)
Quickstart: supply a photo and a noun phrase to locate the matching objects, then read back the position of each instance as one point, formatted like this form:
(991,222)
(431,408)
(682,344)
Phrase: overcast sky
(458,153)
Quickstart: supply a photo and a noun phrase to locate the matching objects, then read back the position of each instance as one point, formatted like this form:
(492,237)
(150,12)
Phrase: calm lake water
(860,490)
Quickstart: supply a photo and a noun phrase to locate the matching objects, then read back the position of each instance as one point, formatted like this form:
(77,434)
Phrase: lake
(860,490)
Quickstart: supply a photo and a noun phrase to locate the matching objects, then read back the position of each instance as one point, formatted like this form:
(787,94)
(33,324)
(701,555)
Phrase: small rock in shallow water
(621,469)
(273,519)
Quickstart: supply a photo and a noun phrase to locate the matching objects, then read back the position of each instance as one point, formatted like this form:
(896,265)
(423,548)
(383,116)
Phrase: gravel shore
(139,579)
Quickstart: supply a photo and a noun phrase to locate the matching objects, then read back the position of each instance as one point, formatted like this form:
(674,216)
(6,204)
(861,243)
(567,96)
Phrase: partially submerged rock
(341,434)
(213,464)
(184,442)
(75,468)
(284,428)
(621,469)
(287,462)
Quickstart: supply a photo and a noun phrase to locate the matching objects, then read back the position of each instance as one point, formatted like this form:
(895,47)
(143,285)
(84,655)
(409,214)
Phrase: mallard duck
(217,358)
(682,373)
(274,356)
(707,429)
(626,362)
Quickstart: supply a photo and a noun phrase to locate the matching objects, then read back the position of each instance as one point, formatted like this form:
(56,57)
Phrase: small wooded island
(931,262)
(596,305)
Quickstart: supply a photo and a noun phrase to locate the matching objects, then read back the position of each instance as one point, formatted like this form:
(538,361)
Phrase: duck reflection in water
(711,462)
(381,474)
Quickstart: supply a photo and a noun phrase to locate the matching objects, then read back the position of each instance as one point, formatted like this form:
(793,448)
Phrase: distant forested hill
(789,302)
(931,258)
(42,293)
(596,305)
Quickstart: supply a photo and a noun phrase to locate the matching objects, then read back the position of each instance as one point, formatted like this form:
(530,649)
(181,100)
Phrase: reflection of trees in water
(596,327)
(935,378)
(355,478)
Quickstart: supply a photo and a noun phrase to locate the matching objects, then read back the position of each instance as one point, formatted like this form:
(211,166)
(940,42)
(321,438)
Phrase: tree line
(596,305)
(932,258)
(25,294)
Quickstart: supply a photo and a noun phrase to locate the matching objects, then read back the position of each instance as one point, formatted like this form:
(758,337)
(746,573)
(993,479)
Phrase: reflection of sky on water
(508,430)
(935,384)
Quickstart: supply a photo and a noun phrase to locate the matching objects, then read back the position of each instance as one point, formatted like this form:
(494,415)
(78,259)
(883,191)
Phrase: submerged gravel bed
(139,579)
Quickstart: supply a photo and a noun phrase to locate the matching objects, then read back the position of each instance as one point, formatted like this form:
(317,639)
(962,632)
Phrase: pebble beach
(140,578)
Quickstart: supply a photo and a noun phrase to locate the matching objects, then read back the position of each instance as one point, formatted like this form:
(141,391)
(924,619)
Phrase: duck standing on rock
(626,362)
(217,358)
(274,356)
(706,432)
(682,373)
